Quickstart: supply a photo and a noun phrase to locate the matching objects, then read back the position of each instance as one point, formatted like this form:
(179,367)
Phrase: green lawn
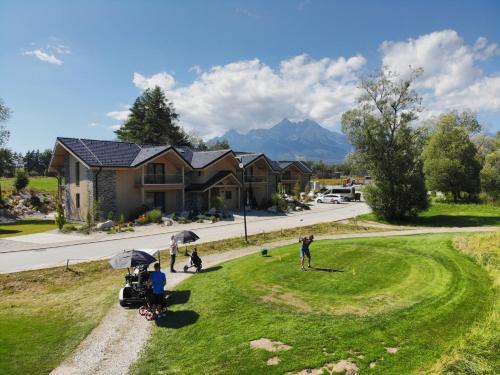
(37,183)
(417,294)
(26,227)
(450,215)
(45,314)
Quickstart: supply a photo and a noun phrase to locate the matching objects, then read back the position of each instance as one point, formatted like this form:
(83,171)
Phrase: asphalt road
(57,255)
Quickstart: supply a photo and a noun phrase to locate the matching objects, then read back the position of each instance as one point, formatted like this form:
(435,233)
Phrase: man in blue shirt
(158,281)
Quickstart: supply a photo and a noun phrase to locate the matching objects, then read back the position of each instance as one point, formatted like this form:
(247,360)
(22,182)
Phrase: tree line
(407,160)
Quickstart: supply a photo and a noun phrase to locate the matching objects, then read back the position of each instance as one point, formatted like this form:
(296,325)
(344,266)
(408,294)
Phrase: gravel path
(113,346)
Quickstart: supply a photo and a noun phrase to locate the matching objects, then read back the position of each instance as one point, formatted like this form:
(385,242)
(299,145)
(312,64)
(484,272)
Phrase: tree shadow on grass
(178,297)
(325,269)
(177,319)
(8,231)
(456,221)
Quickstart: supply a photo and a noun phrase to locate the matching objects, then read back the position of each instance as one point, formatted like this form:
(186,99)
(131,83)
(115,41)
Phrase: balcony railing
(255,178)
(289,178)
(151,179)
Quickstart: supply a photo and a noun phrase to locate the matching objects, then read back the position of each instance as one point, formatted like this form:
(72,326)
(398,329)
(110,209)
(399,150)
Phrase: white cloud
(41,55)
(51,54)
(196,68)
(250,94)
(115,127)
(164,80)
(452,77)
(118,115)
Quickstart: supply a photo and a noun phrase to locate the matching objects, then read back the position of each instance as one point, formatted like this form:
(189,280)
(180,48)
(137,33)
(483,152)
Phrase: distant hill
(289,140)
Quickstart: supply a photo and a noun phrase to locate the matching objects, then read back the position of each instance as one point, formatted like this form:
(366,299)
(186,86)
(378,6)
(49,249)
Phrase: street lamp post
(244,200)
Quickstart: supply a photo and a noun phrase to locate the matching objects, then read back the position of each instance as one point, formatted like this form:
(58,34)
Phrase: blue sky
(71,68)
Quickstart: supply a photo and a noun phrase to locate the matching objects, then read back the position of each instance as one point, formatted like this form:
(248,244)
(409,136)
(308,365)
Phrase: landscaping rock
(108,224)
(167,221)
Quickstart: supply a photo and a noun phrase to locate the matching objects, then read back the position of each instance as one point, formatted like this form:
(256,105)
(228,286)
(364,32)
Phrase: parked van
(348,193)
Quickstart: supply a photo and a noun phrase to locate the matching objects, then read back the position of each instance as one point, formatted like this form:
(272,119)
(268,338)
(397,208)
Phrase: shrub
(121,219)
(279,202)
(110,215)
(153,216)
(296,190)
(60,219)
(21,180)
(35,201)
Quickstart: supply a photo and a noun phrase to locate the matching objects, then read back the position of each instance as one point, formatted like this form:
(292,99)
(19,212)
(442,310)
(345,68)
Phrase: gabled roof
(284,164)
(249,158)
(111,154)
(201,159)
(219,176)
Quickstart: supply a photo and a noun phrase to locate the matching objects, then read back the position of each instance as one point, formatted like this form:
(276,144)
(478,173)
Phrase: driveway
(18,253)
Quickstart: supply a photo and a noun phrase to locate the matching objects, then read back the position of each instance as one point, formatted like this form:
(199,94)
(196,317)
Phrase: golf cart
(136,286)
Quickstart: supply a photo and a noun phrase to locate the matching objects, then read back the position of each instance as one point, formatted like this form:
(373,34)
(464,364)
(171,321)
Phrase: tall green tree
(490,174)
(5,114)
(451,163)
(36,162)
(153,120)
(7,162)
(387,145)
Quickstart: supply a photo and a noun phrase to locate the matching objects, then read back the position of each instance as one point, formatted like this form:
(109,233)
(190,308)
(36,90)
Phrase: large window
(77,173)
(156,200)
(155,173)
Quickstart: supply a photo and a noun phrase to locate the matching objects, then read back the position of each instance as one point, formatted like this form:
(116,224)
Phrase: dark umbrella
(186,236)
(131,258)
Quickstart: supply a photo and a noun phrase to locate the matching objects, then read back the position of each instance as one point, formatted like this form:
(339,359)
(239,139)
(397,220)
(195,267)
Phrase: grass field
(385,305)
(450,215)
(268,237)
(45,314)
(26,227)
(37,183)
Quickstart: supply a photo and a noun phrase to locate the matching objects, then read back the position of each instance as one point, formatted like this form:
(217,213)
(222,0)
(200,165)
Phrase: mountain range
(287,140)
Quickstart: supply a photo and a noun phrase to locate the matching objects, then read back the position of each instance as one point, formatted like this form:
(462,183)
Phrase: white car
(329,198)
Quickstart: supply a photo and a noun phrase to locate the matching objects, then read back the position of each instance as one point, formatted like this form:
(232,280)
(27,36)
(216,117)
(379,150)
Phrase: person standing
(304,250)
(158,282)
(173,252)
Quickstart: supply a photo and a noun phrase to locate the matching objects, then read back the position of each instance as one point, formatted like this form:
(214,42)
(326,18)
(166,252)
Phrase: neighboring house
(261,178)
(214,174)
(293,172)
(125,177)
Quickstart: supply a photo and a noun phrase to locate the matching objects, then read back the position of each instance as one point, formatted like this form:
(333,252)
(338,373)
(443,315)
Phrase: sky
(73,68)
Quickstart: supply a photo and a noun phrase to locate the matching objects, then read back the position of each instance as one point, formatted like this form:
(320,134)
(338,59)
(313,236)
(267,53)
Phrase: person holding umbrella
(173,252)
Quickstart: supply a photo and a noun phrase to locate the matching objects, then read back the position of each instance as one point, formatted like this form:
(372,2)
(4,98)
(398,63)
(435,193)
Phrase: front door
(156,200)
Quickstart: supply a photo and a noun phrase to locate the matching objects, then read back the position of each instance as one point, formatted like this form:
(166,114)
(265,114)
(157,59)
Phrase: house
(123,178)
(261,178)
(293,172)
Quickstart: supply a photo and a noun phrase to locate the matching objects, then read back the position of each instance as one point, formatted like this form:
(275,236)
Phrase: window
(77,200)
(155,173)
(77,173)
(229,195)
(199,173)
(155,200)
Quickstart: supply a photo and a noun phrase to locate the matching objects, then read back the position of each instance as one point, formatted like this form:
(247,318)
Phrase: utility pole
(244,200)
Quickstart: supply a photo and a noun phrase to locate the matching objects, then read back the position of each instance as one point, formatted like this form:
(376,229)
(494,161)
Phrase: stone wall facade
(106,186)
